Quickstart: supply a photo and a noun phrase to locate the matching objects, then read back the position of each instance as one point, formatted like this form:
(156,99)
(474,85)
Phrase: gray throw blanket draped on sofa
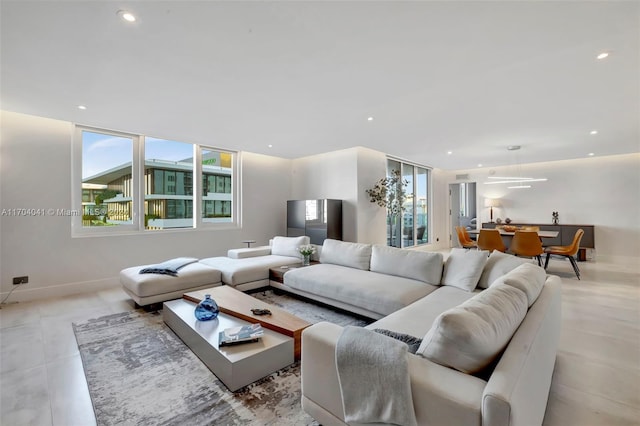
(170,267)
(374,378)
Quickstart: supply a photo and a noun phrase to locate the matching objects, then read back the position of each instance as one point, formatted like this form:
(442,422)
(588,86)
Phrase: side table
(277,274)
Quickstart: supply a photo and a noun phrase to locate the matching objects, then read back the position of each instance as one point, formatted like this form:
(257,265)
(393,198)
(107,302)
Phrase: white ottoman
(146,289)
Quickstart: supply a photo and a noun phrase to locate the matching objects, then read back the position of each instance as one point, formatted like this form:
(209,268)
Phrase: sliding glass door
(410,226)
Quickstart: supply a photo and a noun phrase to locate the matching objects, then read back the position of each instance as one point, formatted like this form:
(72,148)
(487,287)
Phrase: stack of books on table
(245,334)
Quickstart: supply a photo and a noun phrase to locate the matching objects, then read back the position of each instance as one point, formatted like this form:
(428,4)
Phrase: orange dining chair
(567,251)
(464,238)
(527,244)
(490,239)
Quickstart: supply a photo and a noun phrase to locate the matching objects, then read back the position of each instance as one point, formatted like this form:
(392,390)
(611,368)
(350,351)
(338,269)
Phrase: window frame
(137,227)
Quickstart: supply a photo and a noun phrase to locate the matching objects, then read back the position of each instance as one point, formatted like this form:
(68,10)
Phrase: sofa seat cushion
(240,271)
(470,336)
(415,264)
(375,292)
(417,318)
(146,285)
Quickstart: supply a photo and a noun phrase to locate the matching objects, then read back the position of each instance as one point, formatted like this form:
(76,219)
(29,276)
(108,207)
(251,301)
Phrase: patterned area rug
(140,373)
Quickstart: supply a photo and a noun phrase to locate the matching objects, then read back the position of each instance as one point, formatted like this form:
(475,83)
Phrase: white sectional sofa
(489,325)
(487,355)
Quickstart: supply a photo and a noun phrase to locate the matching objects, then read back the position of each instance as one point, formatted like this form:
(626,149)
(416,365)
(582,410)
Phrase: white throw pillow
(288,246)
(353,255)
(463,268)
(498,264)
(418,265)
(527,277)
(470,336)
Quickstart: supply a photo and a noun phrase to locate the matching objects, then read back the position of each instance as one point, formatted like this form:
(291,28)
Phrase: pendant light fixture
(515,182)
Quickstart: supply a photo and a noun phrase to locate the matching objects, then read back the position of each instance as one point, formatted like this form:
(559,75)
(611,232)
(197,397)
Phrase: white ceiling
(467,77)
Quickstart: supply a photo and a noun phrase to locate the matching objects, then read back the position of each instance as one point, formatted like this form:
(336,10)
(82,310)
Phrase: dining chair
(464,238)
(567,251)
(490,239)
(527,244)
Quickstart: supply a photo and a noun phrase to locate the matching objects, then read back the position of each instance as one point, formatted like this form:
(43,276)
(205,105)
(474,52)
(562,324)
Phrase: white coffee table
(236,366)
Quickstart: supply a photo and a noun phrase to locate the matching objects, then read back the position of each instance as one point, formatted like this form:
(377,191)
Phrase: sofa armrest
(318,370)
(242,253)
(517,391)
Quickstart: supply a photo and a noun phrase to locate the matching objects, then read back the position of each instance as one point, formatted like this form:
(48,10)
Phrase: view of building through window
(108,180)
(168,173)
(216,186)
(411,227)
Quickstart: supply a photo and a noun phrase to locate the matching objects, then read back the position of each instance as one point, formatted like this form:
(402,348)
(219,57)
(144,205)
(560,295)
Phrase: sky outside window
(102,152)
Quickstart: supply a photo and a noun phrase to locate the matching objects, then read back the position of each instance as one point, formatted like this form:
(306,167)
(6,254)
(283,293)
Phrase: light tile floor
(596,379)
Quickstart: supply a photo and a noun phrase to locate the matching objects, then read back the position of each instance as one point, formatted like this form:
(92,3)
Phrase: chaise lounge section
(244,269)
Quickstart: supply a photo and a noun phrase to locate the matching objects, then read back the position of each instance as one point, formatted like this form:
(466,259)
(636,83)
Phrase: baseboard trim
(27,294)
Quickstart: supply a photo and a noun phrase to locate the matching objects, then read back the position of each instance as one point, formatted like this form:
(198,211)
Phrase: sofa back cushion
(243,253)
(470,336)
(527,277)
(498,264)
(353,255)
(463,268)
(418,265)
(288,246)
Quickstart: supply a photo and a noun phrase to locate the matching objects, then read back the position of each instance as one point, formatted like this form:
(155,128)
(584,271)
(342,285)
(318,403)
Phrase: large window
(411,227)
(131,183)
(169,196)
(107,169)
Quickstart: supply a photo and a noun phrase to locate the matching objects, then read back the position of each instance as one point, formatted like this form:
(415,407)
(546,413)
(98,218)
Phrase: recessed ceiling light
(370,119)
(449,152)
(479,165)
(270,146)
(82,107)
(593,132)
(591,154)
(602,55)
(127,16)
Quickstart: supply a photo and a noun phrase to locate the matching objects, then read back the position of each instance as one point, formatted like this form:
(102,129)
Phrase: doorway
(462,210)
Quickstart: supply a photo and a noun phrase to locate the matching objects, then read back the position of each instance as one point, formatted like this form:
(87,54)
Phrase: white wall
(439,210)
(600,191)
(36,173)
(345,175)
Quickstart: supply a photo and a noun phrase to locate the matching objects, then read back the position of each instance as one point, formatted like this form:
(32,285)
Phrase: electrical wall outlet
(20,280)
